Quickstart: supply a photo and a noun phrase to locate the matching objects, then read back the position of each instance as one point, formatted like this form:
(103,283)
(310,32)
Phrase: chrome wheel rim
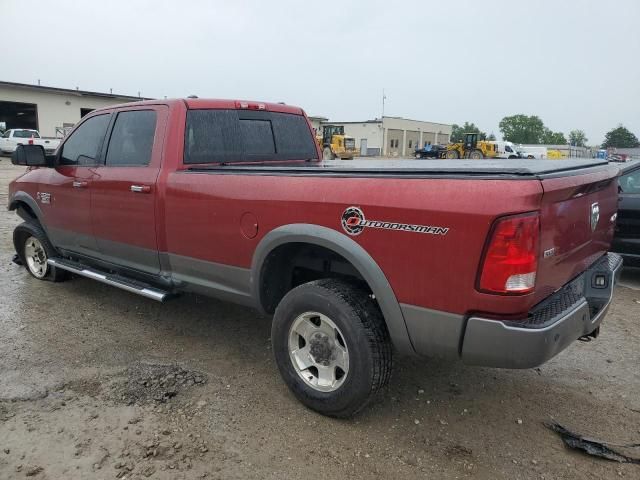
(318,352)
(36,257)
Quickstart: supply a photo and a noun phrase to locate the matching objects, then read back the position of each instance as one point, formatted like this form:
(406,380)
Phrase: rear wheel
(331,346)
(327,154)
(452,154)
(34,249)
(476,155)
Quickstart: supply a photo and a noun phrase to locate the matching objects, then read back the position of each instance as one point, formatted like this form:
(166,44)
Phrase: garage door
(19,115)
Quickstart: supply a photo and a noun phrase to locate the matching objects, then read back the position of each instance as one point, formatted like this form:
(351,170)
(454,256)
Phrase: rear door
(123,193)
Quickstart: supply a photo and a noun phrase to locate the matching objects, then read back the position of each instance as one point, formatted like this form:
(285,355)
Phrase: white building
(394,136)
(50,110)
(316,122)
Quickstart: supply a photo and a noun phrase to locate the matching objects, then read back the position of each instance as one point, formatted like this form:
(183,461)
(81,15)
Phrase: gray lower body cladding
(574,311)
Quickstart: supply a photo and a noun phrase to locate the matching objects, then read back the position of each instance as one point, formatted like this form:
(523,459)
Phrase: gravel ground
(99,383)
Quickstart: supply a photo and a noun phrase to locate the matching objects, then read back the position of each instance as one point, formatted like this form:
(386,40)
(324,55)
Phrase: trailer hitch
(590,336)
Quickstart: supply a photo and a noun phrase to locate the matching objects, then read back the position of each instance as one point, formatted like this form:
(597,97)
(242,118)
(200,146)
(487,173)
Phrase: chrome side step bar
(132,286)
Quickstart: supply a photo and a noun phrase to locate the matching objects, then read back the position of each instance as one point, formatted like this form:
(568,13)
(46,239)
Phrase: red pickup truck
(498,263)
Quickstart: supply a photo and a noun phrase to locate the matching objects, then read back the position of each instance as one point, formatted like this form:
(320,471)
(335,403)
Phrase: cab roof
(212,103)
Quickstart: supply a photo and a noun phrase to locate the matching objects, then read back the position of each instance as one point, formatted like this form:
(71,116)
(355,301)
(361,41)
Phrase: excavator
(335,144)
(472,148)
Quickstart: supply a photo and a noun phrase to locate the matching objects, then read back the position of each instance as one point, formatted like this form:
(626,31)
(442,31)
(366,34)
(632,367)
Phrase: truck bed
(498,168)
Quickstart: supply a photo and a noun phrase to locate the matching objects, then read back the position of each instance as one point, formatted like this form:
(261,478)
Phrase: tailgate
(577,224)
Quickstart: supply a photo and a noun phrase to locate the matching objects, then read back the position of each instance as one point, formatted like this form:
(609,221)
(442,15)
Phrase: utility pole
(384,147)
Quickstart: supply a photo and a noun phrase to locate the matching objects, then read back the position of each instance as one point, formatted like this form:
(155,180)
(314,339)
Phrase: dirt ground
(99,383)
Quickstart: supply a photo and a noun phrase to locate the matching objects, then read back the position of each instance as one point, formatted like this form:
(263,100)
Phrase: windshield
(25,134)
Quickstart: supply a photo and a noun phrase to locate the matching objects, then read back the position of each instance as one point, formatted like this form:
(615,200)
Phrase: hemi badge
(549,253)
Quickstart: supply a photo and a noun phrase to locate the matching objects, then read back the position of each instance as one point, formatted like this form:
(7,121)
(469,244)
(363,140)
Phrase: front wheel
(452,154)
(34,249)
(331,346)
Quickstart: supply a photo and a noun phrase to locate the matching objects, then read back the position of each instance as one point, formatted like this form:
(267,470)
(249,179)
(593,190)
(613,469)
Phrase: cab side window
(132,138)
(83,146)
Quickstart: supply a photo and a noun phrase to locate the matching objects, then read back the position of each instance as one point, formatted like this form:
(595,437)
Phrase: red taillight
(511,258)
(31,141)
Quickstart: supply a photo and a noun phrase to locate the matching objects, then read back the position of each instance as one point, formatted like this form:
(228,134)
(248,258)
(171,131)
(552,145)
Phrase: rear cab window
(226,136)
(25,134)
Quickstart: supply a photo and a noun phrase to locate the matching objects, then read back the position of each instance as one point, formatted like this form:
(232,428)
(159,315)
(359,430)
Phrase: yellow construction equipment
(556,154)
(472,148)
(335,144)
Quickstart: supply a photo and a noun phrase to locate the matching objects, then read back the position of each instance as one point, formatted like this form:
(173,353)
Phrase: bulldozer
(335,144)
(472,148)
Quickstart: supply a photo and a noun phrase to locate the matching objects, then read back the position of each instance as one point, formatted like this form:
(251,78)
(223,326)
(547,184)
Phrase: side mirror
(30,155)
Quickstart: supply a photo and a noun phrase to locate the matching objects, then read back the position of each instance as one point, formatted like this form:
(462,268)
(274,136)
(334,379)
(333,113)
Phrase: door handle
(80,184)
(140,188)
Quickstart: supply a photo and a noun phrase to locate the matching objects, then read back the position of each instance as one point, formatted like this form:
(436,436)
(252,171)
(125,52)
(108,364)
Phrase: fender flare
(23,197)
(351,251)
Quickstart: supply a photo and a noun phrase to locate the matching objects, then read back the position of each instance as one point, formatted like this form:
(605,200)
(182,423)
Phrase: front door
(65,199)
(123,192)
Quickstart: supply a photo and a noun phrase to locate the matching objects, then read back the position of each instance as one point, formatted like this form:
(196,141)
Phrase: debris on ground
(593,447)
(156,383)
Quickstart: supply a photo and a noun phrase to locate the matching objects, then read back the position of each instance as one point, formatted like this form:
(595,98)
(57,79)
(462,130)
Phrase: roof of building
(70,91)
(345,123)
(379,120)
(412,120)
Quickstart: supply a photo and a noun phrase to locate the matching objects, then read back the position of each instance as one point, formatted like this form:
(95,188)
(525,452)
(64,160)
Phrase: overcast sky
(574,63)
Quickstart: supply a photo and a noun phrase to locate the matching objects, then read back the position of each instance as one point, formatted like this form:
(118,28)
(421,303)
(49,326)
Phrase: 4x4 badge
(43,197)
(354,222)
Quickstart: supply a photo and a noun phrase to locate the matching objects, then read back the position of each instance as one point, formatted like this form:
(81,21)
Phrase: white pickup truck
(10,140)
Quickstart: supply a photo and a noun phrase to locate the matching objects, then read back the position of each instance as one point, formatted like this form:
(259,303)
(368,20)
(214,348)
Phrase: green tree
(620,137)
(553,138)
(522,129)
(457,131)
(578,138)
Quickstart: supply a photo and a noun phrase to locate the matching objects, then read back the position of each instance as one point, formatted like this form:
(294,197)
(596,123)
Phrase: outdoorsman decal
(354,222)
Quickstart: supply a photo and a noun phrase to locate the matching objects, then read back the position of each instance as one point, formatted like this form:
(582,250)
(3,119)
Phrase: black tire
(21,235)
(476,155)
(365,335)
(452,154)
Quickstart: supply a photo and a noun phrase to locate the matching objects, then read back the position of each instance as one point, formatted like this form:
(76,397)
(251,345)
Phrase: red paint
(200,215)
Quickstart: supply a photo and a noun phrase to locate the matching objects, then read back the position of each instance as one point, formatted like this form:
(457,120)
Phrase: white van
(506,150)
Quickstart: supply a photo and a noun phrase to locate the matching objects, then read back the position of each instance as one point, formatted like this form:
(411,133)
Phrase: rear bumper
(574,311)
